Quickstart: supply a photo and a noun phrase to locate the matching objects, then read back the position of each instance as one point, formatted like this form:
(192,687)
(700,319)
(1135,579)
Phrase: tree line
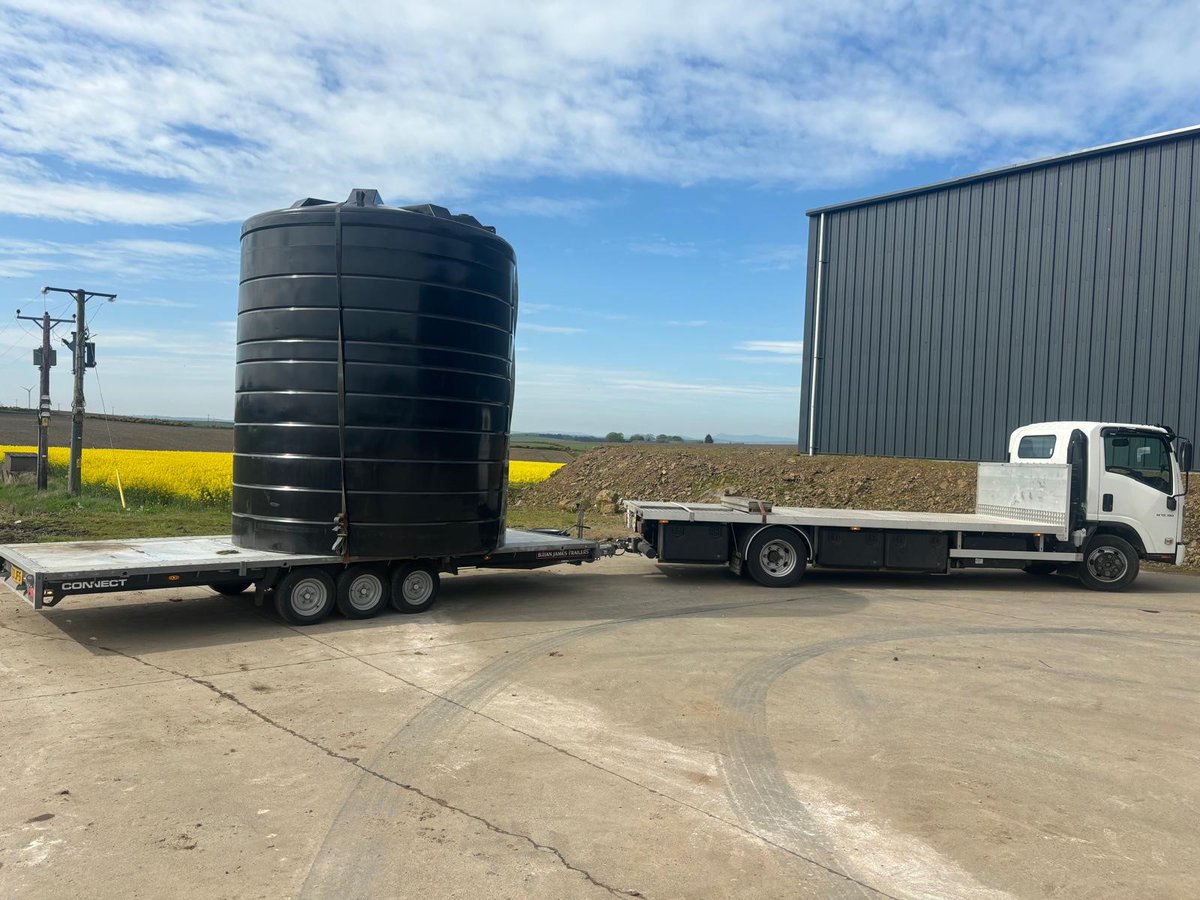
(617,437)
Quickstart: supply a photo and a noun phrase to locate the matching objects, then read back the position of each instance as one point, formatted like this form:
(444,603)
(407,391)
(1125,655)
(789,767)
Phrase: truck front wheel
(1109,563)
(776,557)
(304,596)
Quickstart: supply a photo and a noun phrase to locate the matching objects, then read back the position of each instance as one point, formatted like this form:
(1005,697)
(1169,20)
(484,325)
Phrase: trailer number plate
(17,576)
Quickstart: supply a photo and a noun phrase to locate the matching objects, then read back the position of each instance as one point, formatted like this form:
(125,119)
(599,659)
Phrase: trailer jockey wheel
(304,596)
(414,587)
(776,557)
(1109,563)
(363,591)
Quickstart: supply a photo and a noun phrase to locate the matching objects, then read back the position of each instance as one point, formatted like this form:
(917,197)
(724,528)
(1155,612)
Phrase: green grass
(28,515)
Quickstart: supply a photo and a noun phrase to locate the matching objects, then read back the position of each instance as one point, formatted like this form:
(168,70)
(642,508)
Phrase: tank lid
(371,197)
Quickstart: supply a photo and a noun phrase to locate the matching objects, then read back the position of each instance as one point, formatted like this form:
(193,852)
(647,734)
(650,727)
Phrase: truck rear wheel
(1109,563)
(304,596)
(363,591)
(415,587)
(776,557)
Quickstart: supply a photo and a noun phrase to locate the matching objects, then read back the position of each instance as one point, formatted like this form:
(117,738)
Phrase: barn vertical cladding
(374,380)
(1064,288)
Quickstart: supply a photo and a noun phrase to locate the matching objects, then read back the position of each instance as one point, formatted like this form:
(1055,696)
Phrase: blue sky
(650,162)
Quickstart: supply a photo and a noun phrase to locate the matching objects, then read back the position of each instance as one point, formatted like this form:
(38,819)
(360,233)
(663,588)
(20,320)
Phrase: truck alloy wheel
(363,591)
(1109,563)
(415,587)
(305,596)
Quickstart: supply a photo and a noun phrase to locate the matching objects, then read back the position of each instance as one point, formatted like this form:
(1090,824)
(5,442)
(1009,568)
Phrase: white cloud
(687,323)
(662,247)
(548,329)
(768,352)
(179,112)
(127,258)
(778,258)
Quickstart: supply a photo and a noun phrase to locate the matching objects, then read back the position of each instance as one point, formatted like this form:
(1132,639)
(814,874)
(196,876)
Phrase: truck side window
(1036,446)
(1142,457)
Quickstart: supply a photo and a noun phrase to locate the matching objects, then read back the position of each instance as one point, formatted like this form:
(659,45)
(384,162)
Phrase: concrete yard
(612,729)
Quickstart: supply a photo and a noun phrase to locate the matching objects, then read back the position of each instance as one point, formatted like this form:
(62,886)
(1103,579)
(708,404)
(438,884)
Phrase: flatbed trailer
(305,587)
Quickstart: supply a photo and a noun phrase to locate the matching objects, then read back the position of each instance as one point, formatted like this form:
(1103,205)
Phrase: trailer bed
(45,573)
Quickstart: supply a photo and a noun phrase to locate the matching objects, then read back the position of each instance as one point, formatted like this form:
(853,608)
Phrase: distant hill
(752,439)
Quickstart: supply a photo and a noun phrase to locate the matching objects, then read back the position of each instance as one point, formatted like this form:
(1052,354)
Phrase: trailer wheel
(363,591)
(1109,563)
(232,588)
(1041,569)
(776,557)
(414,587)
(304,596)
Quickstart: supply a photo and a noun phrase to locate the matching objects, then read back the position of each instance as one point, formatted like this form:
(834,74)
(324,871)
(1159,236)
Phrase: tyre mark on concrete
(756,783)
(344,862)
(368,771)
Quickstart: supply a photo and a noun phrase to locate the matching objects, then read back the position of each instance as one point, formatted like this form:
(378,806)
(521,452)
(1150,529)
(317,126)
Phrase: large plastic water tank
(374,381)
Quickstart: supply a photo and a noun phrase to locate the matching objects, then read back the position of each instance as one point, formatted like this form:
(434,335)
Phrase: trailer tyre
(776,557)
(415,587)
(363,591)
(232,588)
(1109,563)
(305,596)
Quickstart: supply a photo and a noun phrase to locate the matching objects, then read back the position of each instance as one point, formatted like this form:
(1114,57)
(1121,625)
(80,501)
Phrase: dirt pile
(698,473)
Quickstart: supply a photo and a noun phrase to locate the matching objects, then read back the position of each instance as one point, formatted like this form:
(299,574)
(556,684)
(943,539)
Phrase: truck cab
(1126,480)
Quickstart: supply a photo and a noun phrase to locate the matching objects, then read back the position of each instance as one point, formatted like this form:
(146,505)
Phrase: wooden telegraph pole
(83,354)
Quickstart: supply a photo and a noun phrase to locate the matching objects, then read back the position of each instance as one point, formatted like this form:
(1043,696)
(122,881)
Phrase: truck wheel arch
(1125,532)
(748,534)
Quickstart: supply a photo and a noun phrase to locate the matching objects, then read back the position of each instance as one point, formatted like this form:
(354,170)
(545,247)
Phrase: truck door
(1136,483)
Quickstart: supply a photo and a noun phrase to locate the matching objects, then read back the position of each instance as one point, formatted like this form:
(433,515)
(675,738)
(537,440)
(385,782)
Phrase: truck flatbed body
(841,518)
(45,573)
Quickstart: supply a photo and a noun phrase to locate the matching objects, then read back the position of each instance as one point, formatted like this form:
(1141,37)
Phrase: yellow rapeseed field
(166,475)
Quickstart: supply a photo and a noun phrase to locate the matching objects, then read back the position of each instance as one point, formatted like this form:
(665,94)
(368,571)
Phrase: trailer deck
(45,573)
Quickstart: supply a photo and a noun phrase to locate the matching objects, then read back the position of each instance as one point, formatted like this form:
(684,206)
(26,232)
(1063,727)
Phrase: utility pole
(44,359)
(83,359)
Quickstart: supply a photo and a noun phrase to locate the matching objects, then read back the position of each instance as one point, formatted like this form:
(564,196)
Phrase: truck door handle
(1107,503)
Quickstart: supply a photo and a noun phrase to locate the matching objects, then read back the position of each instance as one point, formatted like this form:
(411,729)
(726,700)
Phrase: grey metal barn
(942,317)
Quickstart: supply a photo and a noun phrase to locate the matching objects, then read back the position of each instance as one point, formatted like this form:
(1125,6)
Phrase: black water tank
(374,380)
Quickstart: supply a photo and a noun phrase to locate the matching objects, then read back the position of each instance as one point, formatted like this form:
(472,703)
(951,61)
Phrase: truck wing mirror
(1183,451)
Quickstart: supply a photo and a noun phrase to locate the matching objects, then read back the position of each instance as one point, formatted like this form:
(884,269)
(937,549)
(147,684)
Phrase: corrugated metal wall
(1067,290)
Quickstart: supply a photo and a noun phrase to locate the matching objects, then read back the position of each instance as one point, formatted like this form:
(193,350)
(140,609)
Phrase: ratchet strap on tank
(342,523)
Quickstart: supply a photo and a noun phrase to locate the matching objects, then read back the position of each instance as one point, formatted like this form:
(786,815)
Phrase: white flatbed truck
(1088,498)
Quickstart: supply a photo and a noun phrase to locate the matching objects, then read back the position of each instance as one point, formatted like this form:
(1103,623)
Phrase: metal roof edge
(1158,137)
